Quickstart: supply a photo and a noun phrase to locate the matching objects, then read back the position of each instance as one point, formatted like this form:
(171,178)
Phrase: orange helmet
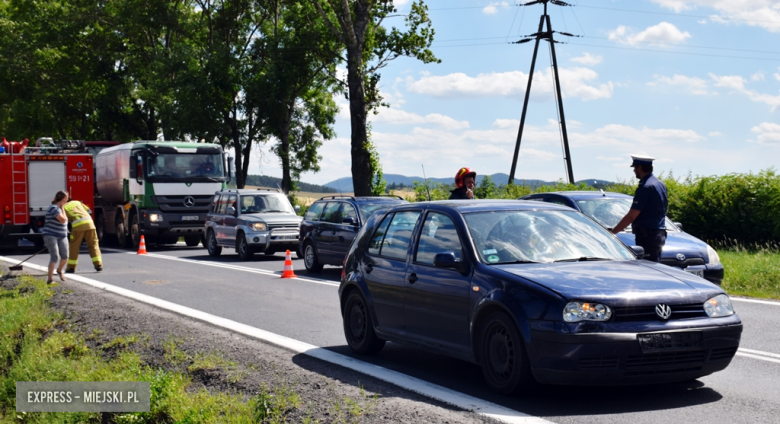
(463,173)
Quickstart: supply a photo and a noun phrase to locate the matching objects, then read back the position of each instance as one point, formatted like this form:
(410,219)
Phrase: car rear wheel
(243,249)
(211,245)
(502,356)
(310,259)
(359,327)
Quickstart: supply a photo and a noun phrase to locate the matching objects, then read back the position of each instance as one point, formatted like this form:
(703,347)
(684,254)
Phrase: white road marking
(433,391)
(238,268)
(758,352)
(763,302)
(748,355)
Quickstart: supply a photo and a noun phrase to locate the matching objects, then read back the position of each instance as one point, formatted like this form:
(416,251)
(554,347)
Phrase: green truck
(159,189)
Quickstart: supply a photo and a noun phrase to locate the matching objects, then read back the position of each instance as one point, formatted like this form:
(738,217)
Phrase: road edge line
(424,388)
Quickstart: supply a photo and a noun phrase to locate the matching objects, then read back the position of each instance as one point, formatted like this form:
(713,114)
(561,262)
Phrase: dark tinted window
(438,235)
(557,201)
(399,233)
(367,209)
(347,210)
(379,235)
(215,203)
(222,204)
(331,212)
(313,214)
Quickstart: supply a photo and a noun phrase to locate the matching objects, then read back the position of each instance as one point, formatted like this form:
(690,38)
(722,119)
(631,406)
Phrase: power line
(679,14)
(683,53)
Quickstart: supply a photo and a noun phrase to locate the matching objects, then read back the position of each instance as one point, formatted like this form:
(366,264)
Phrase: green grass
(751,270)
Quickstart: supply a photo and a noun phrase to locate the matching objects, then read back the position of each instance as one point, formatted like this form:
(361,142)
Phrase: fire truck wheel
(192,241)
(135,232)
(121,233)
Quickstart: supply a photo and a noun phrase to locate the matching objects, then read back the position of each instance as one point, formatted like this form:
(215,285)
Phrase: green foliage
(272,406)
(751,270)
(378,183)
(486,189)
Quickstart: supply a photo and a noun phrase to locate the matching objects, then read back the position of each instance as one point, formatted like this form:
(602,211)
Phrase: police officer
(464,184)
(82,228)
(648,211)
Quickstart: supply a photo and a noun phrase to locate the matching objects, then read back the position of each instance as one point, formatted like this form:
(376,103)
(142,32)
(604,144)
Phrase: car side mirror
(447,260)
(349,221)
(678,225)
(639,251)
(297,208)
(231,211)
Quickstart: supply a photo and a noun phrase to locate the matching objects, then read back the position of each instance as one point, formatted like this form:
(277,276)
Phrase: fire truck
(36,171)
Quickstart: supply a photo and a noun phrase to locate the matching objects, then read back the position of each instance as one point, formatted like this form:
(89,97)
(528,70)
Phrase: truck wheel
(243,249)
(192,241)
(212,246)
(135,232)
(121,233)
(100,228)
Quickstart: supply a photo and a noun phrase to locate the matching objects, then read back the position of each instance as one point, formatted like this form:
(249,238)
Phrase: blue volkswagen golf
(681,250)
(533,292)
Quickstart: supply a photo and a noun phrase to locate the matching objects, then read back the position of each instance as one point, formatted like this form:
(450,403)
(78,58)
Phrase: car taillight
(343,270)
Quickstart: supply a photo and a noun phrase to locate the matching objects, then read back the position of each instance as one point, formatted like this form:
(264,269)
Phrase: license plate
(285,237)
(696,272)
(668,342)
(189,218)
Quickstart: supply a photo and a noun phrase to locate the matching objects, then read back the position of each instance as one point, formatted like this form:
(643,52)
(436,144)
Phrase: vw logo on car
(663,311)
(189,201)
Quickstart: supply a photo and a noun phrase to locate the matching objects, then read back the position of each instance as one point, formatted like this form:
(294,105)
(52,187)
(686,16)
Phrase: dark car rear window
(368,208)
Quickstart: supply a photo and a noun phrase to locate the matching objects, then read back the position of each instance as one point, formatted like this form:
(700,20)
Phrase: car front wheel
(211,245)
(243,249)
(359,327)
(502,355)
(310,259)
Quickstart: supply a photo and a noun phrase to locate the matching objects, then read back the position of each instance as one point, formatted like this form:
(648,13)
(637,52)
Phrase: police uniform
(651,201)
(82,228)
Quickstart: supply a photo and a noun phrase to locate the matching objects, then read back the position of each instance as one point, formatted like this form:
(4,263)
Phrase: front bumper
(599,359)
(273,240)
(173,224)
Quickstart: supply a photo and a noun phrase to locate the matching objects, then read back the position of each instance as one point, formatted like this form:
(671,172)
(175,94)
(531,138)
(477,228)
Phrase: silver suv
(250,221)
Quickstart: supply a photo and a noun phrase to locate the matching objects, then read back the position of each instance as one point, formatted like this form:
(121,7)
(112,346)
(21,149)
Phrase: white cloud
(777,76)
(492,8)
(715,134)
(737,83)
(588,59)
(511,84)
(768,133)
(758,76)
(661,33)
(761,13)
(693,84)
(401,117)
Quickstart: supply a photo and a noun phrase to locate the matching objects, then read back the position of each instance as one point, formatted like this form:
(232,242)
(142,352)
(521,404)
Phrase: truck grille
(201,203)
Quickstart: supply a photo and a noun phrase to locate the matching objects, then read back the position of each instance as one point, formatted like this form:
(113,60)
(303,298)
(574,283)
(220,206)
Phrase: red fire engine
(32,175)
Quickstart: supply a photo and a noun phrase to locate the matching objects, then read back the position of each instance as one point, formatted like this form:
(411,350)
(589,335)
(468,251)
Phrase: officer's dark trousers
(652,241)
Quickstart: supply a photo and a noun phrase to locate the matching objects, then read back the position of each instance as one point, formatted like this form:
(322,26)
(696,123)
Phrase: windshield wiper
(515,262)
(275,210)
(583,258)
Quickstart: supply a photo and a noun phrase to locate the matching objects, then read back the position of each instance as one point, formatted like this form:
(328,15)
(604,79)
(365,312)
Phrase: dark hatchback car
(682,250)
(533,292)
(330,225)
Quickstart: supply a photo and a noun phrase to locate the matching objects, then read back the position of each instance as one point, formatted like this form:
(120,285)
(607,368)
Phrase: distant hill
(345,184)
(266,181)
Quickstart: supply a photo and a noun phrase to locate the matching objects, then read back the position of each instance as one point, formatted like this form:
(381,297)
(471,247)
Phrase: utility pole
(548,36)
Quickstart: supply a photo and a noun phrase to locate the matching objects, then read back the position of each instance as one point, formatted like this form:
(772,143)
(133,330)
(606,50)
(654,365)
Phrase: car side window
(215,203)
(438,235)
(222,204)
(331,212)
(556,200)
(231,201)
(399,234)
(313,214)
(379,235)
(347,210)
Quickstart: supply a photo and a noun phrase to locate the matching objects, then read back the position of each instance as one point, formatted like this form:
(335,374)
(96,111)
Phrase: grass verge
(751,270)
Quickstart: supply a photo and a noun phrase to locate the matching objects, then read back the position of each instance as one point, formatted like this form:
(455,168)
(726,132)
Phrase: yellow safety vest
(78,216)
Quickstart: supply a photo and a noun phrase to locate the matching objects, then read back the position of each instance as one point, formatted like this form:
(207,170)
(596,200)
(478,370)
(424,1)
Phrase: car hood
(616,282)
(272,218)
(676,242)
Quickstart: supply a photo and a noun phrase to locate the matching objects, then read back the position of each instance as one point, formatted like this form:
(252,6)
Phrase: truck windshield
(185,166)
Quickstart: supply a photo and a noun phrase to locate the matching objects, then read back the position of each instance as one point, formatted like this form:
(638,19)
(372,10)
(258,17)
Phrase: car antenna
(426,183)
(339,187)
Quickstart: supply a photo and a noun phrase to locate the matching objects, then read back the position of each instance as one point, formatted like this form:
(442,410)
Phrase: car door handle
(412,278)
(369,268)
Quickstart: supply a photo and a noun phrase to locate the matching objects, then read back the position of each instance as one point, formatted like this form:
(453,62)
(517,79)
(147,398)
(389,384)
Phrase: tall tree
(369,47)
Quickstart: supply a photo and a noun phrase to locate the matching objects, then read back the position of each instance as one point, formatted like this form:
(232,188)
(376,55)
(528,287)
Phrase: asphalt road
(307,309)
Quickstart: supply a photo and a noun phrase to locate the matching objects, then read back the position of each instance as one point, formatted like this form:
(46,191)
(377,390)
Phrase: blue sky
(693,83)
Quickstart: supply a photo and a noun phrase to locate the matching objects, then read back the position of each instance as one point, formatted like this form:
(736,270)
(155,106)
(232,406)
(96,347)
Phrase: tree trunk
(361,164)
(284,150)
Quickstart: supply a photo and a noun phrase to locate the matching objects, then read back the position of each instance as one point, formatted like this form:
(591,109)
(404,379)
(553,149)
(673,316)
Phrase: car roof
(466,206)
(581,195)
(365,199)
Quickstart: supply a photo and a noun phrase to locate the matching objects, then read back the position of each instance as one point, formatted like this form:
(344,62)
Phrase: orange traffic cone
(142,246)
(288,270)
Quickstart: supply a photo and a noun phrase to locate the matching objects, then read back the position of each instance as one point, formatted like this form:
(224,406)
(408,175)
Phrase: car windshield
(367,209)
(541,236)
(608,212)
(198,167)
(265,203)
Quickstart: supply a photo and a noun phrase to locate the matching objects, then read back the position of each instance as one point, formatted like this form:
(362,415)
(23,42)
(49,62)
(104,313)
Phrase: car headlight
(712,255)
(155,217)
(257,226)
(718,306)
(585,311)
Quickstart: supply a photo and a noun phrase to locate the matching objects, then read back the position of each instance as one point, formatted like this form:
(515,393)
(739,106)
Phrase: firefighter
(464,184)
(82,228)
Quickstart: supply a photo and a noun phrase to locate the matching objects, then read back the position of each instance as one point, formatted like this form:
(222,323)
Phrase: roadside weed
(273,406)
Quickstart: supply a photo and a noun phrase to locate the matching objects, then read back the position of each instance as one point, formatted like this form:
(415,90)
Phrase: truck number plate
(189,218)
